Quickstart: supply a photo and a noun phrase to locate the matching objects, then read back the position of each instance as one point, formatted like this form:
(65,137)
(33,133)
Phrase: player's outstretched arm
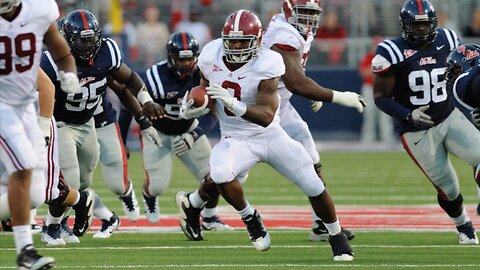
(298,83)
(58,47)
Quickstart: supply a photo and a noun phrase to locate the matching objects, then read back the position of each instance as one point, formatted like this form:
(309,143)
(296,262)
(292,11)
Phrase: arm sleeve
(207,123)
(124,121)
(392,108)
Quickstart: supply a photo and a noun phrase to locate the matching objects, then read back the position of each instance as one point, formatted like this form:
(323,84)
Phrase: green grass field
(354,179)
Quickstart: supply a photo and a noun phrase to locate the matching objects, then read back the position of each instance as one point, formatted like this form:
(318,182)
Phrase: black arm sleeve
(124,121)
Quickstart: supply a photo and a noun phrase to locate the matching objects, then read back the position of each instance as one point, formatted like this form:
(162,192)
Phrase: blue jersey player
(409,85)
(168,81)
(463,79)
(96,59)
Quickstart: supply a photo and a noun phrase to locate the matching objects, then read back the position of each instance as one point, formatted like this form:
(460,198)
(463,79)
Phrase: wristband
(143,96)
(143,122)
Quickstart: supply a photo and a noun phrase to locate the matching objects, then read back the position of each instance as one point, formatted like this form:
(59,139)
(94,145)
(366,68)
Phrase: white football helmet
(7,5)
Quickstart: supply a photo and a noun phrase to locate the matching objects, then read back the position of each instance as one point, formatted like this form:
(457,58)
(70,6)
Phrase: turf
(352,178)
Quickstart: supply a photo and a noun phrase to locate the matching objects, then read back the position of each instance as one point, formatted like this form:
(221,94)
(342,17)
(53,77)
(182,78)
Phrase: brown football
(198,94)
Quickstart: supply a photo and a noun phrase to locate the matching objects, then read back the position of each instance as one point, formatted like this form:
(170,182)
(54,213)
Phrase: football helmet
(303,14)
(460,60)
(183,50)
(83,34)
(418,22)
(60,22)
(7,5)
(241,35)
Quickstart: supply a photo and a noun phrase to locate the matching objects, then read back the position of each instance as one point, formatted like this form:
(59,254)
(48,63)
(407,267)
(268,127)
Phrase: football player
(96,58)
(243,78)
(291,33)
(409,85)
(168,82)
(24,26)
(463,78)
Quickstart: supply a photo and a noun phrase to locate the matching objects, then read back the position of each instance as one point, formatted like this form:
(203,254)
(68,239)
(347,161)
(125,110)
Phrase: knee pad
(37,188)
(451,207)
(221,174)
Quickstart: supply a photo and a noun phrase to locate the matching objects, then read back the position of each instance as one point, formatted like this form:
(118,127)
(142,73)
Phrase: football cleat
(189,217)
(108,227)
(130,204)
(152,211)
(320,233)
(29,259)
(214,224)
(466,234)
(50,235)
(342,252)
(66,233)
(84,212)
(258,235)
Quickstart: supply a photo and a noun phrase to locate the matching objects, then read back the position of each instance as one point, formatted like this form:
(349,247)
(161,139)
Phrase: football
(198,94)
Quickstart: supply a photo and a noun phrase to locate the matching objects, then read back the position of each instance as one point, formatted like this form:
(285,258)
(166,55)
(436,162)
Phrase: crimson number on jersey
(22,48)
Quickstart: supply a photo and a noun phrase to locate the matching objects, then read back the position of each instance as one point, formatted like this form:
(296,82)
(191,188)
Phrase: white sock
(462,219)
(23,236)
(33,214)
(196,200)
(100,210)
(248,210)
(209,212)
(333,228)
(50,219)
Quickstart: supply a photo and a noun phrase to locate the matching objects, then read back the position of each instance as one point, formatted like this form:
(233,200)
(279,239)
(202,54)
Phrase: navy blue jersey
(79,108)
(419,75)
(166,90)
(463,88)
(105,114)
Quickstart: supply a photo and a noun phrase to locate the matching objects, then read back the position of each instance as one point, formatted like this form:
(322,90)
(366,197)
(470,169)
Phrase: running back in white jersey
(21,43)
(241,83)
(279,31)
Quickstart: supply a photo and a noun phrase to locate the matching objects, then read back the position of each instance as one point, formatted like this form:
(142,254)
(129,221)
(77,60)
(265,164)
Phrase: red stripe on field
(365,218)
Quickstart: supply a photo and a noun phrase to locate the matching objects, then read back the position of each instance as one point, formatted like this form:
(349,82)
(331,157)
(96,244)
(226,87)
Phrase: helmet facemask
(183,64)
(239,49)
(306,18)
(86,44)
(420,32)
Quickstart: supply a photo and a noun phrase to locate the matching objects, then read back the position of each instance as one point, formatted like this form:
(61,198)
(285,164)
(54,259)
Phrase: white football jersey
(279,31)
(241,83)
(21,46)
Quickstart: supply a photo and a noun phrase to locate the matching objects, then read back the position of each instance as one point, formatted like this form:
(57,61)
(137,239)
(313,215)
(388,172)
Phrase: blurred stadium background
(332,62)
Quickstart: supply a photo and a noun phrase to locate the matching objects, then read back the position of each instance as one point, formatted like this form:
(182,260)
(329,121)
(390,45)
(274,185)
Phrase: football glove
(419,118)
(316,105)
(475,114)
(69,82)
(44,124)
(231,103)
(182,143)
(148,131)
(187,111)
(349,99)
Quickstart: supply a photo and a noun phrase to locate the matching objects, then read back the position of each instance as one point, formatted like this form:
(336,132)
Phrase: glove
(182,143)
(349,99)
(69,82)
(231,103)
(148,131)
(475,114)
(419,118)
(187,111)
(316,106)
(44,124)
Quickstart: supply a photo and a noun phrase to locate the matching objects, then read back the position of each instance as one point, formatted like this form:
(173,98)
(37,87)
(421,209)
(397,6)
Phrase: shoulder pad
(390,51)
(380,64)
(114,51)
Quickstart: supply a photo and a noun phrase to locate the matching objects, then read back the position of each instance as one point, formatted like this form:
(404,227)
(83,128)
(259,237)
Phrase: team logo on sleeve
(216,68)
(409,52)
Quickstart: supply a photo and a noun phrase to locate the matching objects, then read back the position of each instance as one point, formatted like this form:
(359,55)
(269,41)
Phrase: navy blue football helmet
(183,50)
(461,59)
(418,22)
(83,34)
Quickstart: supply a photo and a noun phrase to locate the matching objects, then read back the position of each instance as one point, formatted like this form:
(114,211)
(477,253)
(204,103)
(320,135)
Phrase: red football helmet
(241,35)
(303,14)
